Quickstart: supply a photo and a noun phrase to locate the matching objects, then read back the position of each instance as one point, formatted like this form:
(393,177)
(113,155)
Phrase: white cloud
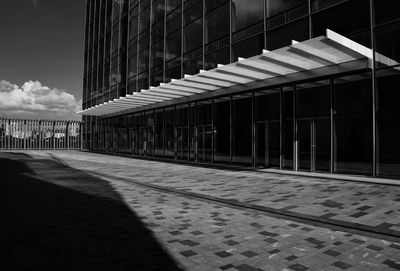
(33,100)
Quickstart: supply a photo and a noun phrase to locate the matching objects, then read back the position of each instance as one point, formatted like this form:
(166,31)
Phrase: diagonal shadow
(70,221)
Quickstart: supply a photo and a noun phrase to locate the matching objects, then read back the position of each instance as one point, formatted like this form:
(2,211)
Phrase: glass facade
(344,123)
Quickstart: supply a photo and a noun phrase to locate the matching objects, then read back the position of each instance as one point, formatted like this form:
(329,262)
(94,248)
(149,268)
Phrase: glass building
(255,83)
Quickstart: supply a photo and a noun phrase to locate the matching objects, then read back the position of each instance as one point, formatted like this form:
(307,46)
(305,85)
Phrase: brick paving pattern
(201,235)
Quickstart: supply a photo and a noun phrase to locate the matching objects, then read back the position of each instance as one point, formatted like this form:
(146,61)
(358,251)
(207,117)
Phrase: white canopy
(333,50)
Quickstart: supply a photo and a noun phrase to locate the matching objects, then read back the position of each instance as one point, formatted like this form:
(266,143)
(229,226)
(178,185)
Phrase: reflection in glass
(274,7)
(246,13)
(217,24)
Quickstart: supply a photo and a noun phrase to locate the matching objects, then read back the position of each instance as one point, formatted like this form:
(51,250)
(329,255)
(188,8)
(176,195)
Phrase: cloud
(33,100)
(35,2)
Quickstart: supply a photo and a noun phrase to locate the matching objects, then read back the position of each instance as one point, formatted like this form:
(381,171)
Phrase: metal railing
(23,134)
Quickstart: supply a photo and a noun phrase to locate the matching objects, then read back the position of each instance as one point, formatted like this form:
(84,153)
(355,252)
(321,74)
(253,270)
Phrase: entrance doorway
(268,144)
(313,149)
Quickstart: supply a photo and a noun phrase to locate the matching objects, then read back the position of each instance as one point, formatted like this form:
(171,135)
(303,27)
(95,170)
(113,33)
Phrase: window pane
(386,10)
(388,41)
(193,66)
(313,99)
(217,24)
(173,49)
(169,139)
(158,133)
(267,105)
(274,7)
(353,124)
(389,144)
(283,36)
(352,94)
(221,56)
(388,123)
(356,28)
(193,13)
(249,47)
(246,12)
(241,129)
(192,35)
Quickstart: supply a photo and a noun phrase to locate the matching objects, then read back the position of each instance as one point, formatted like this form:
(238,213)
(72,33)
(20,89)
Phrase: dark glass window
(159,133)
(193,35)
(352,94)
(217,24)
(222,130)
(353,124)
(267,105)
(274,7)
(169,136)
(157,54)
(133,66)
(241,129)
(173,4)
(133,23)
(283,36)
(174,21)
(193,66)
(182,132)
(193,13)
(158,11)
(213,4)
(388,90)
(246,13)
(221,56)
(388,41)
(388,163)
(204,131)
(313,99)
(249,47)
(386,10)
(388,117)
(173,73)
(320,4)
(354,27)
(287,146)
(144,18)
(173,49)
(144,60)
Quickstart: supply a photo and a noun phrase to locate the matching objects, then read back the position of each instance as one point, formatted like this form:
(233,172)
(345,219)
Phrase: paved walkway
(210,235)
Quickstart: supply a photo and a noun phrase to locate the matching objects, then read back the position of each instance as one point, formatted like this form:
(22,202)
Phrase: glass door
(314,149)
(322,137)
(305,144)
(268,144)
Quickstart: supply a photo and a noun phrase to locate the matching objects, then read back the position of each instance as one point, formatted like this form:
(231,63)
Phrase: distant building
(258,83)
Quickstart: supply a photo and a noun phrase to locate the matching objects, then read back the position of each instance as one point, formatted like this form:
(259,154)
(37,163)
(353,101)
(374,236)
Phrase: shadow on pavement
(76,222)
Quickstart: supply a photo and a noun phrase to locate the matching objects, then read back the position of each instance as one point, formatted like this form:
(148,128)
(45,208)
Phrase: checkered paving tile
(371,205)
(204,235)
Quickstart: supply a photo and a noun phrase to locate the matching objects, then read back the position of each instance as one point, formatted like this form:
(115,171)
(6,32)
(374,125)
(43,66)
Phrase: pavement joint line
(326,176)
(329,223)
(306,219)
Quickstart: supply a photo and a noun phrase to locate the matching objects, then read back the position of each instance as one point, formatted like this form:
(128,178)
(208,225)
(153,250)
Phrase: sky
(41,58)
